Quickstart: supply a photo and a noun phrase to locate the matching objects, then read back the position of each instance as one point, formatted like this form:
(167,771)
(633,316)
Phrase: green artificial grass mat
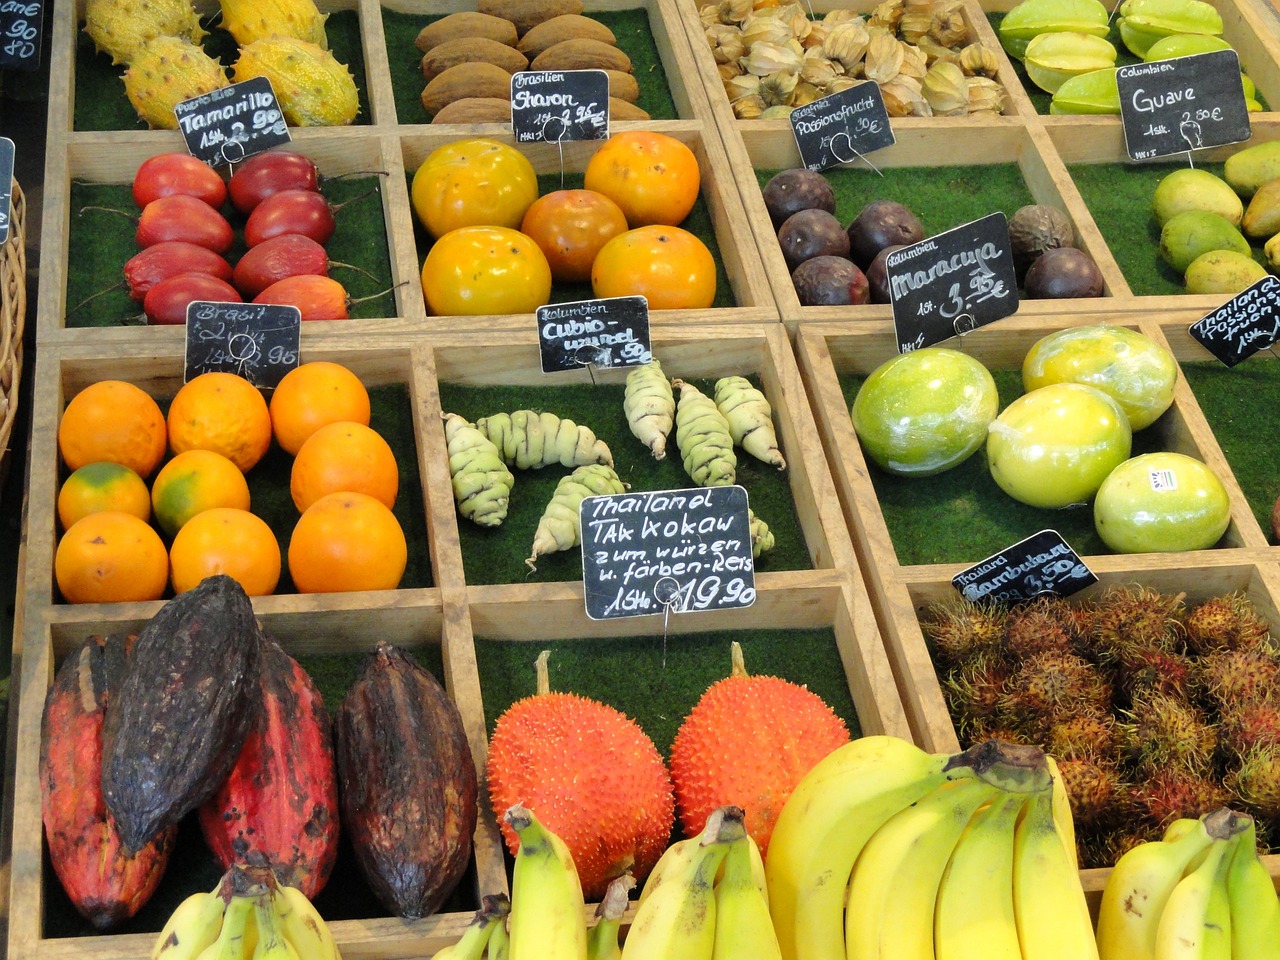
(101,103)
(494,556)
(962,515)
(631,28)
(1242,406)
(102,242)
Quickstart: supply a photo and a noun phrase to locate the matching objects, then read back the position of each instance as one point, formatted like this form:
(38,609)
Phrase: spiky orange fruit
(748,741)
(591,775)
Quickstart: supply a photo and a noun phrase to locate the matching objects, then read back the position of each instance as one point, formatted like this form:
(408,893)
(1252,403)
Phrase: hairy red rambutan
(1126,618)
(1230,677)
(959,629)
(1165,731)
(1042,625)
(1228,622)
(1170,794)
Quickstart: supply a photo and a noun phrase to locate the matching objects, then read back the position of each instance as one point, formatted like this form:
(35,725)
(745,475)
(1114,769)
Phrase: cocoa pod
(280,802)
(466,23)
(584,54)
(567,26)
(407,783)
(471,50)
(527,14)
(475,110)
(187,702)
(466,80)
(106,884)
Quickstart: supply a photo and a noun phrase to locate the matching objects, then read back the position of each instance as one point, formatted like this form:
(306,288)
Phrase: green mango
(1223,271)
(1031,18)
(1093,92)
(1190,188)
(1191,233)
(1054,58)
(1262,216)
(1272,251)
(1248,169)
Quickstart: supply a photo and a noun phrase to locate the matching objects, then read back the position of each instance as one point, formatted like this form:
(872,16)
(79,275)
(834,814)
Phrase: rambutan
(1228,622)
(1042,625)
(1246,726)
(959,629)
(1170,794)
(1127,618)
(1165,731)
(993,728)
(1084,736)
(1093,789)
(1105,849)
(1050,686)
(1144,672)
(591,775)
(1256,781)
(973,689)
(748,741)
(1230,677)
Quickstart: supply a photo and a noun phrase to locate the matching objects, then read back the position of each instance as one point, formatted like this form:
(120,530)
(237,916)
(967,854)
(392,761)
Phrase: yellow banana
(548,918)
(1048,900)
(678,918)
(272,944)
(1217,917)
(500,942)
(193,926)
(744,930)
(230,944)
(303,926)
(1180,828)
(602,939)
(480,932)
(1255,909)
(1185,931)
(980,871)
(757,868)
(1062,812)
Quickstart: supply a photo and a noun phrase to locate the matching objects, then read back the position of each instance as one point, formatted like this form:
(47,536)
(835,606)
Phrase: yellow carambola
(250,20)
(311,86)
(121,27)
(164,72)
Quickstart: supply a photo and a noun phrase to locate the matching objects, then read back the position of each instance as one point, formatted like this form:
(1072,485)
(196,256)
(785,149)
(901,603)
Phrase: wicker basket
(13,311)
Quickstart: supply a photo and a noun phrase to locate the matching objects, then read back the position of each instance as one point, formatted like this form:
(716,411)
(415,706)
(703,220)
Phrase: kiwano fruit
(311,86)
(164,72)
(188,700)
(408,783)
(280,803)
(107,884)
(120,27)
(250,20)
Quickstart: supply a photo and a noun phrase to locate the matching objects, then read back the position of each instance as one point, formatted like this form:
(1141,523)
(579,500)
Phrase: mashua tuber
(704,438)
(481,481)
(750,419)
(527,440)
(559,528)
(650,407)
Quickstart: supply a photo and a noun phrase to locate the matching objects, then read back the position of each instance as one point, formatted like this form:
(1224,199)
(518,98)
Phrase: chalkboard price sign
(677,550)
(6,187)
(555,105)
(257,341)
(613,332)
(21,28)
(952,282)
(1042,563)
(841,127)
(232,123)
(1245,324)
(1188,103)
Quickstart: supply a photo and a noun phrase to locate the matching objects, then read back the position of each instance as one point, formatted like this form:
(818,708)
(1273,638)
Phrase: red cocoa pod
(168,174)
(290,211)
(280,803)
(188,701)
(407,783)
(288,255)
(160,261)
(270,172)
(166,303)
(181,217)
(105,883)
(319,298)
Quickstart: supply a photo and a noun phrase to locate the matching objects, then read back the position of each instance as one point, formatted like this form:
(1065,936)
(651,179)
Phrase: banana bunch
(248,916)
(1201,892)
(886,851)
(487,930)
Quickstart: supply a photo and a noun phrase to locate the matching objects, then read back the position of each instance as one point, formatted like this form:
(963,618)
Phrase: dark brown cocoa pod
(186,704)
(406,783)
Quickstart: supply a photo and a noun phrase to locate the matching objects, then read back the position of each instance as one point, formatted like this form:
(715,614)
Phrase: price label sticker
(613,332)
(952,282)
(556,105)
(671,550)
(6,187)
(1042,563)
(232,123)
(841,127)
(1245,324)
(21,30)
(1187,103)
(257,341)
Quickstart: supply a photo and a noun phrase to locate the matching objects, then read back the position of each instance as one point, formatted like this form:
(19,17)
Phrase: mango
(1271,250)
(1093,92)
(1223,271)
(1248,169)
(1144,22)
(1031,18)
(1262,216)
(1054,58)
(1191,233)
(1195,189)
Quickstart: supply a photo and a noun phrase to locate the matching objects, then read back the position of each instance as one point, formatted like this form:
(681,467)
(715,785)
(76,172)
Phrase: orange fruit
(344,456)
(312,395)
(653,177)
(111,557)
(223,413)
(115,421)
(668,266)
(195,481)
(102,486)
(230,541)
(347,541)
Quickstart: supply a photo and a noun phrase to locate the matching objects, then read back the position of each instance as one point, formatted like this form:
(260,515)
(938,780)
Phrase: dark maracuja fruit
(879,224)
(185,706)
(1035,229)
(106,883)
(829,281)
(878,275)
(407,783)
(811,233)
(794,190)
(1062,274)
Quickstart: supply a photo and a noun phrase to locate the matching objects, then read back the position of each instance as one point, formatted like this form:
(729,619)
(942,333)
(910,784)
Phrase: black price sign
(555,105)
(676,550)
(841,127)
(257,341)
(952,283)
(1245,324)
(232,123)
(21,25)
(613,332)
(6,187)
(1188,103)
(1042,563)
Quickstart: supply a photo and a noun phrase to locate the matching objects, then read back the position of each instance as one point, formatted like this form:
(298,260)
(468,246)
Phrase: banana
(1217,916)
(744,930)
(1189,927)
(1048,901)
(272,944)
(500,942)
(980,871)
(1255,909)
(193,926)
(303,926)
(602,939)
(889,910)
(548,918)
(230,944)
(1062,818)
(1139,887)
(480,932)
(678,919)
